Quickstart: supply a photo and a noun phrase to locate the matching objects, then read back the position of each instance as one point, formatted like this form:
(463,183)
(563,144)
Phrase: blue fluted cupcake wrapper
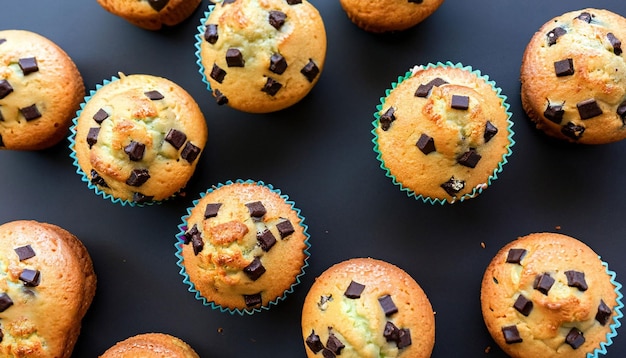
(199,38)
(602,350)
(179,247)
(477,190)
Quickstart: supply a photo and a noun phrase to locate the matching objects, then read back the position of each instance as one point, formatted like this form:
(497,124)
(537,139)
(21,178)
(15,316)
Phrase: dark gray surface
(319,152)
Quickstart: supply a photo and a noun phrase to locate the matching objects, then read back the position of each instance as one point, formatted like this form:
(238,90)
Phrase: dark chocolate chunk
(5,40)
(459,102)
(197,243)
(555,34)
(5,88)
(572,130)
(158,5)
(453,186)
(255,269)
(278,64)
(543,283)
(470,158)
(190,152)
(92,136)
(217,73)
(266,240)
(391,332)
(138,177)
(585,16)
(176,138)
(31,278)
(327,353)
(554,112)
(220,98)
(615,42)
(310,70)
(294,2)
(189,234)
(252,300)
(5,302)
(387,304)
(314,343)
(211,210)
(24,252)
(511,334)
(564,67)
(271,86)
(31,112)
(423,90)
(210,34)
(604,313)
(256,209)
(285,228)
(154,95)
(576,279)
(28,65)
(100,116)
(334,344)
(234,58)
(277,19)
(135,150)
(141,198)
(96,179)
(416,1)
(621,112)
(515,256)
(588,108)
(575,338)
(354,290)
(490,131)
(323,303)
(404,338)
(387,118)
(523,305)
(426,144)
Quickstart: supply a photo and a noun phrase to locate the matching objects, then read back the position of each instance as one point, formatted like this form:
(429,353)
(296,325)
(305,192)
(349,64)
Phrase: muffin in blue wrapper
(442,132)
(242,247)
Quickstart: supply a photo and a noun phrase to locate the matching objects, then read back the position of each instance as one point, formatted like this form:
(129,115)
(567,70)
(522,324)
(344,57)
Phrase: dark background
(319,152)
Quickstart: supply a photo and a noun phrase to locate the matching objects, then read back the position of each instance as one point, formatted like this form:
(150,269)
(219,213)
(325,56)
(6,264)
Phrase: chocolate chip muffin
(443,132)
(47,284)
(151,14)
(137,139)
(243,246)
(261,56)
(367,308)
(379,16)
(573,77)
(151,345)
(549,295)
(40,91)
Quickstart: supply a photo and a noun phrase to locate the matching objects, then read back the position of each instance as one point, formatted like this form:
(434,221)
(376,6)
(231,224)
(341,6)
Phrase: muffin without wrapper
(379,16)
(151,14)
(151,345)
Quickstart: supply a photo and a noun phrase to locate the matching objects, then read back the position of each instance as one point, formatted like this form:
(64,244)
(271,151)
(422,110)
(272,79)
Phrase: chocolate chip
(190,152)
(391,332)
(523,305)
(511,334)
(326,353)
(138,177)
(92,136)
(294,2)
(323,303)
(256,209)
(217,73)
(416,1)
(5,88)
(314,343)
(135,150)
(424,89)
(210,34)
(515,256)
(271,86)
(490,131)
(189,234)
(100,116)
(266,239)
(31,278)
(176,138)
(154,95)
(197,243)
(252,300)
(96,179)
(572,130)
(158,5)
(459,102)
(426,144)
(453,186)
(220,98)
(543,283)
(585,16)
(615,42)
(354,290)
(255,269)
(621,111)
(564,67)
(555,34)
(310,70)
(5,40)
(277,19)
(334,344)
(588,108)
(5,302)
(24,252)
(604,313)
(211,210)
(285,228)
(554,112)
(404,338)
(234,58)
(470,158)
(28,65)
(387,304)
(575,338)
(31,112)
(576,279)
(142,198)
(387,118)
(278,64)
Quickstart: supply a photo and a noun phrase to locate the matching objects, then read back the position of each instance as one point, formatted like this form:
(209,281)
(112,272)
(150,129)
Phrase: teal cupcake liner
(199,38)
(179,247)
(602,350)
(477,190)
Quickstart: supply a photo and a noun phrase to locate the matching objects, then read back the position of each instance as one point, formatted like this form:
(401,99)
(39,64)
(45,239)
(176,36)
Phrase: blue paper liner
(477,190)
(179,246)
(199,38)
(602,350)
